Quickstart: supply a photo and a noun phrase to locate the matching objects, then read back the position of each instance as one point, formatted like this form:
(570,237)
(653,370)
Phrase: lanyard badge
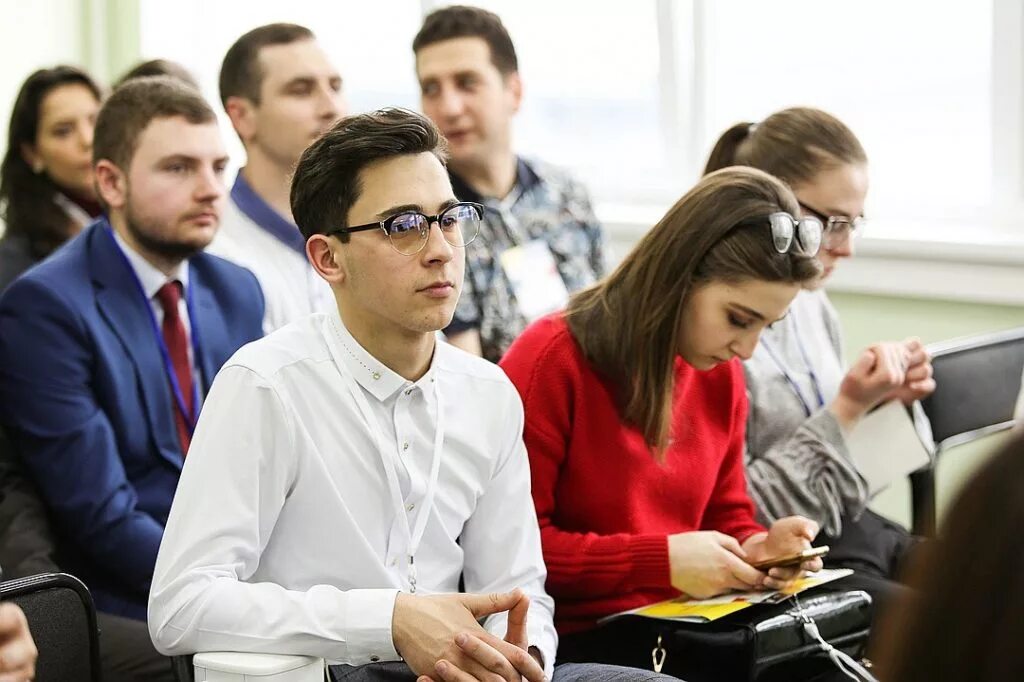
(789,378)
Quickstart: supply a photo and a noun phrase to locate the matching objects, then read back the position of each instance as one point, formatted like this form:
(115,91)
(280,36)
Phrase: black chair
(978,381)
(62,620)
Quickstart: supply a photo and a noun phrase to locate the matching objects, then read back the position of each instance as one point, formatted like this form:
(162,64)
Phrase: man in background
(281,92)
(540,239)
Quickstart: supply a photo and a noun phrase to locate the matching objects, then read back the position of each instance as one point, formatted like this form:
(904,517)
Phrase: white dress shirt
(291,288)
(152,280)
(283,536)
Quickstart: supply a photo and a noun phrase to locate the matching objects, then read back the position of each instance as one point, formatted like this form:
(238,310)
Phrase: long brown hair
(26,197)
(963,621)
(793,144)
(628,325)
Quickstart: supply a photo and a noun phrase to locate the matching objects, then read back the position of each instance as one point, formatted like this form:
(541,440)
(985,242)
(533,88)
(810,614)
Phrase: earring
(38,167)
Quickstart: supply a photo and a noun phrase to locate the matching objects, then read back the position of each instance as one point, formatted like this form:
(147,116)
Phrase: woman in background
(46,187)
(635,409)
(802,402)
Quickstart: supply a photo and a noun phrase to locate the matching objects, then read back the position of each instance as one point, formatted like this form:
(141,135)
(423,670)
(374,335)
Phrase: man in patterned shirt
(540,239)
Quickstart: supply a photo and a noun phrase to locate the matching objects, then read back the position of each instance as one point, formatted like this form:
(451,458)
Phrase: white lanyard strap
(843,661)
(388,457)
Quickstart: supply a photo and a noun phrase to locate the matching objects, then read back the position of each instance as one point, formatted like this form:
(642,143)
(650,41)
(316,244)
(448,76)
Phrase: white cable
(849,667)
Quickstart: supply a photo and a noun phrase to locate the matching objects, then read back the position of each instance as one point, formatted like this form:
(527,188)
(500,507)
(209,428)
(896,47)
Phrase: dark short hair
(240,72)
(327,178)
(132,107)
(461,21)
(158,67)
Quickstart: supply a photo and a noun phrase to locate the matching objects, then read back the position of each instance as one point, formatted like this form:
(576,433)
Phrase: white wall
(35,34)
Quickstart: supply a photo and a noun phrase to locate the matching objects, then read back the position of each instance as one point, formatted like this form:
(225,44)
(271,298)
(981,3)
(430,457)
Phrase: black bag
(762,643)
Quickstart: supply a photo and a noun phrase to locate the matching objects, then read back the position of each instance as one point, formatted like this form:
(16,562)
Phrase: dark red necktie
(176,340)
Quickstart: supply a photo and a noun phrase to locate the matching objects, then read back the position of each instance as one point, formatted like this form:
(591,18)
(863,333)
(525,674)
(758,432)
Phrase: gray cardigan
(799,464)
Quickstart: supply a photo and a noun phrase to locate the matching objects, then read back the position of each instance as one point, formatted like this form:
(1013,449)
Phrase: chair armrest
(225,666)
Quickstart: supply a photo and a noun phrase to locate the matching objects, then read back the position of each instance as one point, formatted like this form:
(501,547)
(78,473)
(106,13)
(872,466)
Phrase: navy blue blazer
(84,390)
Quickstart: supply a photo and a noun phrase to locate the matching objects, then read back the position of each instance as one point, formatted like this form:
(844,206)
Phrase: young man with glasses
(540,239)
(362,469)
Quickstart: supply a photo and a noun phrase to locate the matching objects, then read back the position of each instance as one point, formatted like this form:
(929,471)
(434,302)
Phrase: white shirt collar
(149,276)
(375,377)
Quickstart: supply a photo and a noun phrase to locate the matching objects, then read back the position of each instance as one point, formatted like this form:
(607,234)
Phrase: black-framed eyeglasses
(787,232)
(838,228)
(408,231)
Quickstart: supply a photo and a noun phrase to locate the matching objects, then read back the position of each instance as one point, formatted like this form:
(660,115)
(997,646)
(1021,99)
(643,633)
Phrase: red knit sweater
(605,505)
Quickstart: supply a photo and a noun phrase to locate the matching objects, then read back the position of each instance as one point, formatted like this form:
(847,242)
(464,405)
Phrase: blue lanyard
(789,379)
(179,398)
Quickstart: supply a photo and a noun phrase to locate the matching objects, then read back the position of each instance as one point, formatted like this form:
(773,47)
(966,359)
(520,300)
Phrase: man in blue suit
(108,347)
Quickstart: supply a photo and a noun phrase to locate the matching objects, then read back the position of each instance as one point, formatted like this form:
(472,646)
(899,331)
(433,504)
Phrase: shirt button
(393,562)
(374,659)
(411,507)
(408,392)
(405,445)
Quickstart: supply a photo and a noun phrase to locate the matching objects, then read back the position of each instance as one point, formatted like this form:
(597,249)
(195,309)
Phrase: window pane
(912,80)
(590,84)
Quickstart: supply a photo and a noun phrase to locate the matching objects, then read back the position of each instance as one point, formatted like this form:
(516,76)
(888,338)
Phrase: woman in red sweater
(635,410)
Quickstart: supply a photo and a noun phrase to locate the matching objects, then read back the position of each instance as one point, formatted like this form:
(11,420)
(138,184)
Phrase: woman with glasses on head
(635,412)
(46,187)
(802,401)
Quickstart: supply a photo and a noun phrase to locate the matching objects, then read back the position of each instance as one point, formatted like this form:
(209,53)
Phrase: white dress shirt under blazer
(283,536)
(151,279)
(274,251)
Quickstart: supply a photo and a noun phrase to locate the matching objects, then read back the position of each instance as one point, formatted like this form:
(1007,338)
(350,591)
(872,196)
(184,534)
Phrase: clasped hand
(441,641)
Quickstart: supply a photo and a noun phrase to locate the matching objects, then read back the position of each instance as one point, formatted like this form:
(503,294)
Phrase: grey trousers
(127,653)
(398,671)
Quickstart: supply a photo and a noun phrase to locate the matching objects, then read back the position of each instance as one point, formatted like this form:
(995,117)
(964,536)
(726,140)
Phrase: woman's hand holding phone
(792,560)
(705,564)
(786,537)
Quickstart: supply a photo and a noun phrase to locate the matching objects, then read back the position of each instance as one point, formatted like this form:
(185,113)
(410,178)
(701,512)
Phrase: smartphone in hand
(791,560)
